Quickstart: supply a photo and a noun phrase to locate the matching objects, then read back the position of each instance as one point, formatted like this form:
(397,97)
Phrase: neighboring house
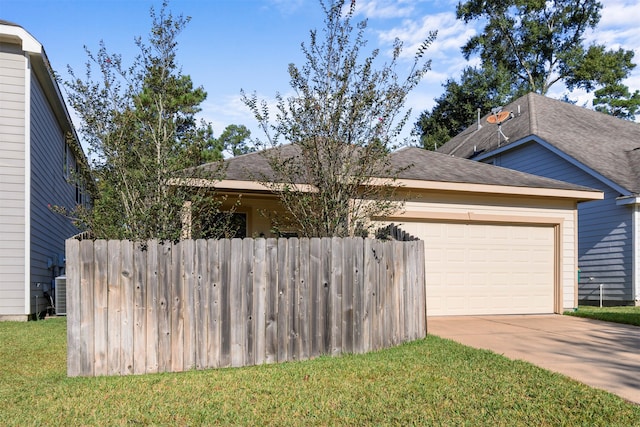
(41,164)
(562,141)
(497,241)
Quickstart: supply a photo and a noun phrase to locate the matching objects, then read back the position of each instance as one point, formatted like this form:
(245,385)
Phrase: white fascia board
(628,200)
(224,184)
(29,43)
(559,153)
(462,187)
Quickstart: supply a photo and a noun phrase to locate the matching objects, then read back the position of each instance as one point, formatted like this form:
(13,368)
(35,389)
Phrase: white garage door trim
(552,225)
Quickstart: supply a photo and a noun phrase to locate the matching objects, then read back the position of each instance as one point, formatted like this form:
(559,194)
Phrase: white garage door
(487,269)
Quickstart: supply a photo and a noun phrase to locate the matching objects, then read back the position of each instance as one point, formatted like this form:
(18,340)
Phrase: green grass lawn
(427,382)
(629,315)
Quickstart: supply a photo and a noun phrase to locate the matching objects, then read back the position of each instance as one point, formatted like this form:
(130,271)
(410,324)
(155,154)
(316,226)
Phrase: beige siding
(12,180)
(260,210)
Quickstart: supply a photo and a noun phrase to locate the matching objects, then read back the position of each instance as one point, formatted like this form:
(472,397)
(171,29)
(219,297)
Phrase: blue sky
(231,45)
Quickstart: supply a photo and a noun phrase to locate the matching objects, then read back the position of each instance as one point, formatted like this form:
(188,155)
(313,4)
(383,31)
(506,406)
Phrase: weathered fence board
(87,332)
(137,308)
(72,254)
(282,284)
(271,302)
(347,296)
(140,313)
(127,289)
(114,307)
(100,305)
(164,311)
(151,308)
(260,298)
(337,277)
(213,299)
(303,303)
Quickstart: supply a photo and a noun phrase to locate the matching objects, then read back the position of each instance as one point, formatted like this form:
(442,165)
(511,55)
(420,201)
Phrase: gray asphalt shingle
(603,143)
(415,164)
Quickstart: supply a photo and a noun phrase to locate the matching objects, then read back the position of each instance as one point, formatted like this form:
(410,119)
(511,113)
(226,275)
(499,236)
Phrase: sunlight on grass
(629,315)
(427,382)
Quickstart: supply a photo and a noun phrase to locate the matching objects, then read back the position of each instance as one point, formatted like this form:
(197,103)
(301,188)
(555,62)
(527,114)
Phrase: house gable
(605,144)
(546,152)
(562,141)
(605,247)
(34,130)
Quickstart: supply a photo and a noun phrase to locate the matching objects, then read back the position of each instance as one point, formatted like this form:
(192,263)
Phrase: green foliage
(629,315)
(616,100)
(527,46)
(428,382)
(533,40)
(234,140)
(139,122)
(478,89)
(598,67)
(344,118)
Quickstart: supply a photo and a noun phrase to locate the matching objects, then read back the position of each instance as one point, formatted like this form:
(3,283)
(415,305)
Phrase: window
(79,184)
(66,153)
(225,225)
(238,222)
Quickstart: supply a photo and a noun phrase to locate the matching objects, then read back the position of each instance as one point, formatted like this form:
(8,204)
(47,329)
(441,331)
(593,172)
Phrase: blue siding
(48,187)
(604,228)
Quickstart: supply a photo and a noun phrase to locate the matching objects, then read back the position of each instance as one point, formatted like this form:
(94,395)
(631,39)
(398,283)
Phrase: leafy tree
(477,90)
(139,122)
(529,45)
(234,140)
(342,121)
(617,101)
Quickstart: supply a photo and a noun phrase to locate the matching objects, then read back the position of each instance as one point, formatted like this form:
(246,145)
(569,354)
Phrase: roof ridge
(533,121)
(465,139)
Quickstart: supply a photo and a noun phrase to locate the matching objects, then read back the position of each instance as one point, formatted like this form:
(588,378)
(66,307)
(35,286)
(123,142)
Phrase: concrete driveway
(600,354)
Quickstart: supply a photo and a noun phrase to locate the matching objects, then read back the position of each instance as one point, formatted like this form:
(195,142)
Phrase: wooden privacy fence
(141,308)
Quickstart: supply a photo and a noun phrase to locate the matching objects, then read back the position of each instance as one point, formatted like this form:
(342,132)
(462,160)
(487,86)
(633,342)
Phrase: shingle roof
(253,166)
(603,143)
(427,165)
(414,164)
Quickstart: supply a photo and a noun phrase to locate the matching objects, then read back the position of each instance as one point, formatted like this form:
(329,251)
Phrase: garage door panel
(487,268)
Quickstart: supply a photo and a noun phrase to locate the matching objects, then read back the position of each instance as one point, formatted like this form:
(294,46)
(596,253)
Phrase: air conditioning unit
(61,295)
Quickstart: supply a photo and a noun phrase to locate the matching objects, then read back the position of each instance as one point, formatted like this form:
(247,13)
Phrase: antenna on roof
(498,117)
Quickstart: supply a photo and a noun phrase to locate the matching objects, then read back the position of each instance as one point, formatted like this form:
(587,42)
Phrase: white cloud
(286,7)
(620,13)
(226,111)
(385,9)
(619,28)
